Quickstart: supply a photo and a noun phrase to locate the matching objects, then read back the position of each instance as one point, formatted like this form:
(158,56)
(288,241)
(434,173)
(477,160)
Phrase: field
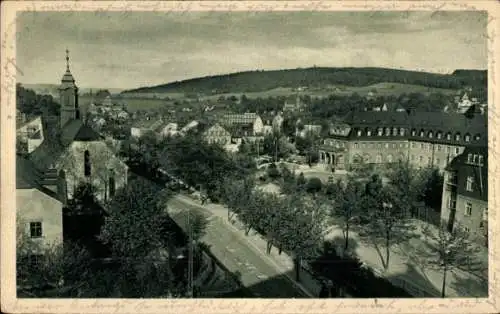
(134,104)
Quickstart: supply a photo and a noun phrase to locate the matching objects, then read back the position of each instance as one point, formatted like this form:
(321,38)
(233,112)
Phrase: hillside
(52,89)
(258,81)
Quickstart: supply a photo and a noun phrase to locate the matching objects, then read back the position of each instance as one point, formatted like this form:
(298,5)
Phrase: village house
(29,135)
(217,134)
(170,129)
(465,192)
(293,104)
(143,126)
(39,208)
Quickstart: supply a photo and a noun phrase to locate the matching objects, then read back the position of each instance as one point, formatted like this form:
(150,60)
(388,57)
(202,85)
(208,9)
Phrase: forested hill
(256,81)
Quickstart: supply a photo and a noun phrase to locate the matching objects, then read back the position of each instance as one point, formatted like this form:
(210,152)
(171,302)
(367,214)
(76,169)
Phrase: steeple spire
(67,59)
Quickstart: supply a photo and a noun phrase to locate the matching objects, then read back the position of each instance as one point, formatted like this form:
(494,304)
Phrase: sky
(130,50)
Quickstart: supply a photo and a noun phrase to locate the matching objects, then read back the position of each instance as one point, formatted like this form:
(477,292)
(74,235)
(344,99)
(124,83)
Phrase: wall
(474,220)
(34,205)
(102,159)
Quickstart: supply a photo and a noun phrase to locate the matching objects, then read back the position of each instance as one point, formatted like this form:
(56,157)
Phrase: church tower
(68,96)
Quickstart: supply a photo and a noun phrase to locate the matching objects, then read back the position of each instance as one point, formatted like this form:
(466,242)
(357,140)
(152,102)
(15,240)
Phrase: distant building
(170,129)
(217,134)
(293,104)
(143,126)
(188,127)
(29,135)
(465,192)
(308,129)
(247,124)
(277,122)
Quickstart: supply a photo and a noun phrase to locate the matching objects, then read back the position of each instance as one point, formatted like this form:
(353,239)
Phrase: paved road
(233,250)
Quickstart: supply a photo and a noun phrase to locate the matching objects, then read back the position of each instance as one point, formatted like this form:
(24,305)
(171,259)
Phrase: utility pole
(190,257)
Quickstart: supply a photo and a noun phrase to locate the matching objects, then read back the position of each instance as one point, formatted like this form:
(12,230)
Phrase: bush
(273,171)
(314,185)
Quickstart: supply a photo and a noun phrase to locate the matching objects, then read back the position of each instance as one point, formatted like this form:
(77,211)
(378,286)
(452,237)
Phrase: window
(475,160)
(36,229)
(448,136)
(421,133)
(379,145)
(457,150)
(387,131)
(401,131)
(355,145)
(386,145)
(380,131)
(467,138)
(468,209)
(413,132)
(470,181)
(413,145)
(447,149)
(439,148)
(393,145)
(389,158)
(86,165)
(394,131)
(477,137)
(421,145)
(359,132)
(112,184)
(480,161)
(430,134)
(467,229)
(429,147)
(452,203)
(469,158)
(457,137)
(369,133)
(439,135)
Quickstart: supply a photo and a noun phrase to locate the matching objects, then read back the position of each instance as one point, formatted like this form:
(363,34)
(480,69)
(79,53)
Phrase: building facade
(29,135)
(250,122)
(423,139)
(216,134)
(465,192)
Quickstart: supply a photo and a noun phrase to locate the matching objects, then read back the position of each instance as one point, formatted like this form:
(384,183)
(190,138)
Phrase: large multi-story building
(422,138)
(465,192)
(249,123)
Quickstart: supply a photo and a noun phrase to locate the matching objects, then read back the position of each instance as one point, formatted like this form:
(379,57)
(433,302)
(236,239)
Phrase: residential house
(170,129)
(143,126)
(465,192)
(217,134)
(308,129)
(189,126)
(29,135)
(293,104)
(39,200)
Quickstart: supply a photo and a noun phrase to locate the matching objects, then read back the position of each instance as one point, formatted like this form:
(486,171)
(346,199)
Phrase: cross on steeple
(67,59)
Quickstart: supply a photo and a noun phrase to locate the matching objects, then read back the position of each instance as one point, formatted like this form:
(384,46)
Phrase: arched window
(421,133)
(112,184)
(380,131)
(448,136)
(401,131)
(86,165)
(394,131)
(430,134)
(467,137)
(387,131)
(439,134)
(457,137)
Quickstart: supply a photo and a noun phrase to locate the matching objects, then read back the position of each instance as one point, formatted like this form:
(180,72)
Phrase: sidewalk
(403,270)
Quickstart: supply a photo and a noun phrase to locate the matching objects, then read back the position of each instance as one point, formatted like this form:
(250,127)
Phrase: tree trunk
(387,251)
(443,288)
(346,237)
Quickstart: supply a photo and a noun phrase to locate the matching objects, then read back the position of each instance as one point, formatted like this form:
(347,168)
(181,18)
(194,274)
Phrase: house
(189,126)
(217,134)
(39,202)
(29,135)
(308,129)
(465,192)
(246,124)
(143,126)
(292,104)
(170,129)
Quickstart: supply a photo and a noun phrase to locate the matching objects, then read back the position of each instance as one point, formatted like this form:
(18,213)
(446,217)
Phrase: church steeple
(68,96)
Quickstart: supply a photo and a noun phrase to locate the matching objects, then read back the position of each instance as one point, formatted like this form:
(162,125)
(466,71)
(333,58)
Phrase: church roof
(76,130)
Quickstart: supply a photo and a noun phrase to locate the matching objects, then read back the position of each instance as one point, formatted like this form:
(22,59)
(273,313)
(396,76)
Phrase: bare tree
(448,250)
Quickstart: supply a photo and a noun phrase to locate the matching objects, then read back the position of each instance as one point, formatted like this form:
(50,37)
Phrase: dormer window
(380,131)
(421,133)
(401,131)
(394,131)
(430,134)
(467,137)
(448,136)
(457,137)
(439,135)
(359,132)
(413,132)
(387,131)
(369,133)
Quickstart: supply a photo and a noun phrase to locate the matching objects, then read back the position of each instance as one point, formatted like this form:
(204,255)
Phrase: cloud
(139,48)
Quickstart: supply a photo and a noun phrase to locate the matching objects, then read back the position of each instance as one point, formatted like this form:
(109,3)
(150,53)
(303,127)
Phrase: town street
(237,254)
